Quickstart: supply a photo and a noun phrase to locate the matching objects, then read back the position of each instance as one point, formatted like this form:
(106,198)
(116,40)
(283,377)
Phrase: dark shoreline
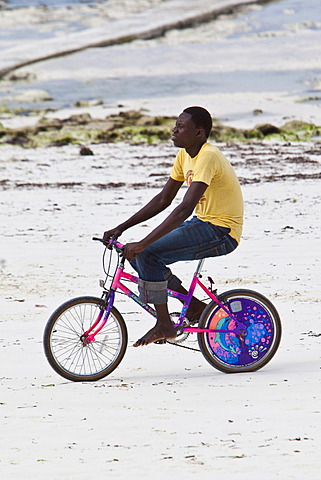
(108,165)
(142,32)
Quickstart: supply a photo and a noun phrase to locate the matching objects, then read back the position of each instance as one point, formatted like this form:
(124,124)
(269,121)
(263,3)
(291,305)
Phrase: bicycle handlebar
(111,243)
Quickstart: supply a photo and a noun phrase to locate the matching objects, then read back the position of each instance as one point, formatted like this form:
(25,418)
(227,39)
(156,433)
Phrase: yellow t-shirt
(222,202)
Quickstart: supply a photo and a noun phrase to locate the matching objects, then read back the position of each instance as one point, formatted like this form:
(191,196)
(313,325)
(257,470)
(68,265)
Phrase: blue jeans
(192,240)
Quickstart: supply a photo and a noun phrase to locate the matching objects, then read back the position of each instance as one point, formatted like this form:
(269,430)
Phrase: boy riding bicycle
(215,194)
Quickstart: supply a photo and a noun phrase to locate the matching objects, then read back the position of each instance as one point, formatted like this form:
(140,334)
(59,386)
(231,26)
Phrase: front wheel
(69,355)
(249,350)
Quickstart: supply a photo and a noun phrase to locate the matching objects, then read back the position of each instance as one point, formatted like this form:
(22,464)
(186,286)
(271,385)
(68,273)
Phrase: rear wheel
(249,350)
(67,352)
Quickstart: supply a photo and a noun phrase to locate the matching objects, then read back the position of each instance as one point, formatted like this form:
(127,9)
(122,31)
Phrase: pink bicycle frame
(89,336)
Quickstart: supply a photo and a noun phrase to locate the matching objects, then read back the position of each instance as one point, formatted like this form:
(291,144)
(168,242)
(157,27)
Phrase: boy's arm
(176,218)
(161,201)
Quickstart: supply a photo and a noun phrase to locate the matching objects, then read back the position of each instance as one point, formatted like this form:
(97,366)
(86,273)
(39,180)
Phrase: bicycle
(86,338)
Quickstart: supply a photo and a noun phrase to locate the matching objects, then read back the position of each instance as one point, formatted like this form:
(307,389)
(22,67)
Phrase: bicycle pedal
(160,342)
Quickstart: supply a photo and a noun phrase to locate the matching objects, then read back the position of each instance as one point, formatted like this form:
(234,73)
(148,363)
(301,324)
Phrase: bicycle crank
(181,334)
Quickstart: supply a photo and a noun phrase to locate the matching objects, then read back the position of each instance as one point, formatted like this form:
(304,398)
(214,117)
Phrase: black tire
(69,355)
(250,350)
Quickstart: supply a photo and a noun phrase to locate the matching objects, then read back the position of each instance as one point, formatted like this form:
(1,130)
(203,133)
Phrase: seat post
(199,267)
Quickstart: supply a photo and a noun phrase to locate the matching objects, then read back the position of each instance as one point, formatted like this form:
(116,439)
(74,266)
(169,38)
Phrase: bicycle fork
(89,336)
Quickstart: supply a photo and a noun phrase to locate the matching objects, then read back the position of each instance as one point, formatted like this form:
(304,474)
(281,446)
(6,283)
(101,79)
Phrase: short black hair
(201,118)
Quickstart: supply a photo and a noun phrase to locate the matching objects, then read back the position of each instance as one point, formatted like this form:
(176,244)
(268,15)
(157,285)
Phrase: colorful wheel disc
(248,347)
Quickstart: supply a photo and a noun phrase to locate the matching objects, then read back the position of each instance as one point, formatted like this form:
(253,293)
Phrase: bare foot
(155,334)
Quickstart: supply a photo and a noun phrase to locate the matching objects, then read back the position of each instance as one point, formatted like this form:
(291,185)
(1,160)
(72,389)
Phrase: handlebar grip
(111,241)
(98,239)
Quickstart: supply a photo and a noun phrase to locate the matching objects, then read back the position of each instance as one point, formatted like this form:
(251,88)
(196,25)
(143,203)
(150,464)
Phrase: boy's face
(185,134)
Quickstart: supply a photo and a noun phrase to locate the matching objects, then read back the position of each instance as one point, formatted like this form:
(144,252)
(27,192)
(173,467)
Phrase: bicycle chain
(178,343)
(183,346)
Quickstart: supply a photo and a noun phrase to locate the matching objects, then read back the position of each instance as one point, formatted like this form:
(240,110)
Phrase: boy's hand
(114,232)
(133,249)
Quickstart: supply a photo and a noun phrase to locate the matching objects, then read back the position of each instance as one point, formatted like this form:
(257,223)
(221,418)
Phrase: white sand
(164,412)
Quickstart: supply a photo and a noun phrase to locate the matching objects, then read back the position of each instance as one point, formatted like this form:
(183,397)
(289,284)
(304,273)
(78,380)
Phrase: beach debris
(31,96)
(89,103)
(86,151)
(137,127)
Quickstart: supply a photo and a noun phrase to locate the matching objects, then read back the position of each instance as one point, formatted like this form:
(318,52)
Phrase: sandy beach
(164,412)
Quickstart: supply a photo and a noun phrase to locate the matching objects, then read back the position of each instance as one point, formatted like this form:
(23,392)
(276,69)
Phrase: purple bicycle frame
(102,318)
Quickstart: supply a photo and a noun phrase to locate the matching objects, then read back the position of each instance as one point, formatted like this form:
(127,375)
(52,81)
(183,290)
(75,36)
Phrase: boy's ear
(201,132)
